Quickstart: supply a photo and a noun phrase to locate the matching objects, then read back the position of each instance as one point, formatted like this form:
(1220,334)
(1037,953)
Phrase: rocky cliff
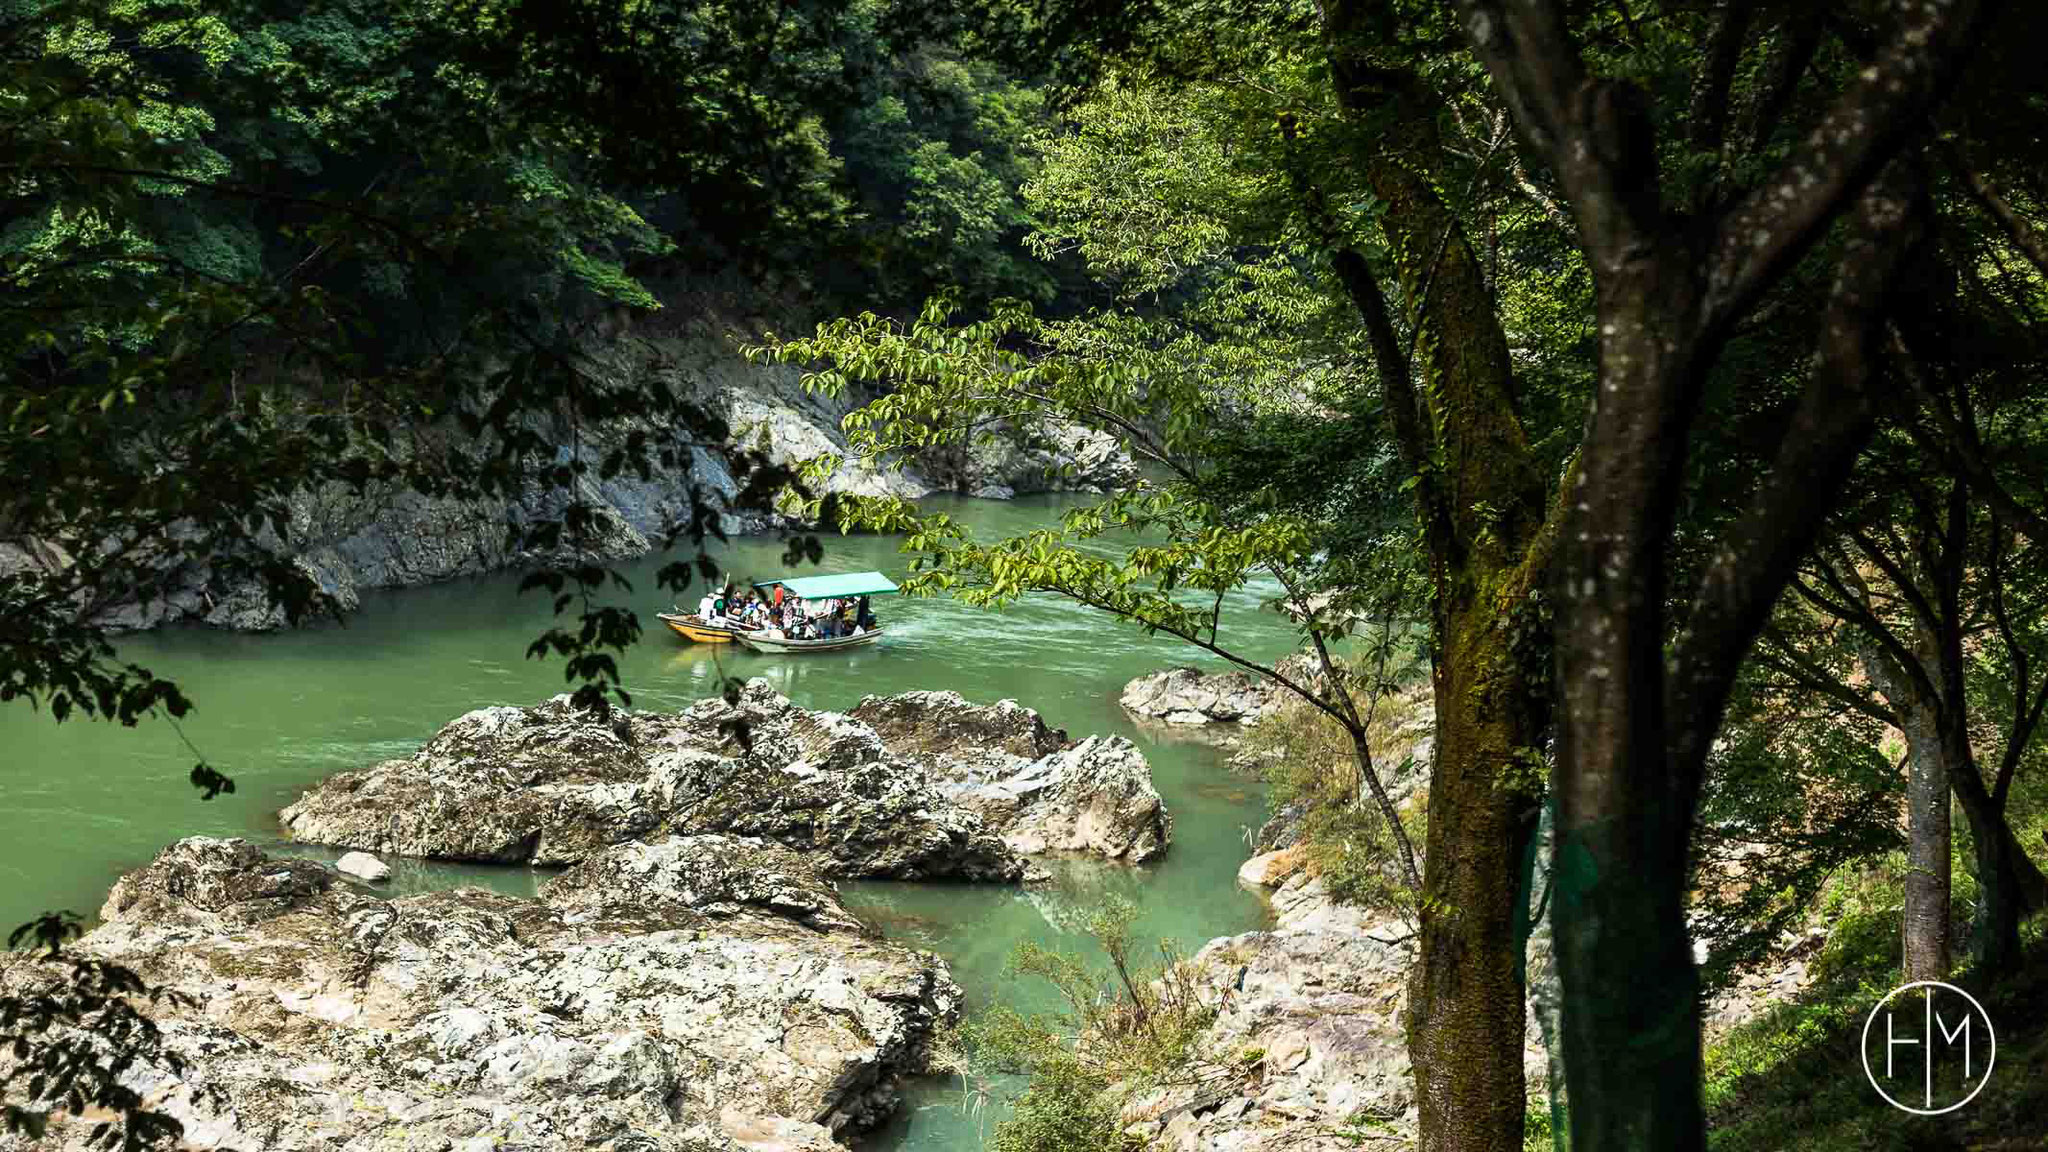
(390,536)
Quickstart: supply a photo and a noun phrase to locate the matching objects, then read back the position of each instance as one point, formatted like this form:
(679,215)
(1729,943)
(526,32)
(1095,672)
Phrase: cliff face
(392,537)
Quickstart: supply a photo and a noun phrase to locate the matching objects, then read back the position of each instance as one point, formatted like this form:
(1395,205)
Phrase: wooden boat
(762,642)
(843,586)
(691,626)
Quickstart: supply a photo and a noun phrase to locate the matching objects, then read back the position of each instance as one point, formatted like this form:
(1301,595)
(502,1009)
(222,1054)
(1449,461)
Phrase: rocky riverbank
(918,786)
(703,993)
(386,536)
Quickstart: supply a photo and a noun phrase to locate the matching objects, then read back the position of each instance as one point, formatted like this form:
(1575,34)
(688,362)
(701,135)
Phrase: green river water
(85,801)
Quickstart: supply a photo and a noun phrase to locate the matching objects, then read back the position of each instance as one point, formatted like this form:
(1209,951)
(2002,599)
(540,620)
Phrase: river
(86,801)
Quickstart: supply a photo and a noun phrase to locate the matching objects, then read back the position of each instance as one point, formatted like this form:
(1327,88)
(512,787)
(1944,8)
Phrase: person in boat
(864,617)
(704,607)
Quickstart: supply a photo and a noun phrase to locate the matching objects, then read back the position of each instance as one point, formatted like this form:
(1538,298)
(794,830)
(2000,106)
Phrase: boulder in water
(1039,790)
(363,866)
(1190,697)
(554,785)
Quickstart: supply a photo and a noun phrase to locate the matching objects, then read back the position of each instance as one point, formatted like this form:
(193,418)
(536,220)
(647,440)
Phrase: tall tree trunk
(1466,1010)
(1924,932)
(2010,886)
(1639,707)
(1480,499)
(1924,928)
(1624,815)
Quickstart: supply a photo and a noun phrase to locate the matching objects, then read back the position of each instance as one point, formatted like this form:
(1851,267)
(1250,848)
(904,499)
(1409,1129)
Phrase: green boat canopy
(826,587)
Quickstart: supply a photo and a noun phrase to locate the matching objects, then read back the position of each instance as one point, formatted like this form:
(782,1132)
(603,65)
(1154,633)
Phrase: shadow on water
(86,801)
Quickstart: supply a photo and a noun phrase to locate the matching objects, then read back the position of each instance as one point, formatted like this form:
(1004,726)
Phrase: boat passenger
(864,617)
(704,607)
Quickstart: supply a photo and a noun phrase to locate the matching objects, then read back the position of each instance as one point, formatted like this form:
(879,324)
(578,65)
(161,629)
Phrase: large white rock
(918,786)
(554,785)
(1040,791)
(704,993)
(1190,697)
(363,866)
(1319,1001)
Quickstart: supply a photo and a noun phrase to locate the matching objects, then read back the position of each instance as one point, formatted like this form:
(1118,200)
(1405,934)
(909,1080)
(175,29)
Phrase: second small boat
(691,626)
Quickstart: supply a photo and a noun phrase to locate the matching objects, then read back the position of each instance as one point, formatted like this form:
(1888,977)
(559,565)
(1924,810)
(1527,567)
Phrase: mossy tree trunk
(1480,499)
(1641,696)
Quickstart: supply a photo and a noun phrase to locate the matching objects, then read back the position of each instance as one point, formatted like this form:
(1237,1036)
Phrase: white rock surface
(363,866)
(1309,1041)
(1190,697)
(1039,791)
(918,786)
(701,994)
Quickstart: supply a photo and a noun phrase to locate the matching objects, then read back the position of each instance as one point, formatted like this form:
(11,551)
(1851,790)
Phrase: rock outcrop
(1309,1042)
(1005,461)
(554,785)
(1189,697)
(348,541)
(1040,791)
(918,786)
(705,993)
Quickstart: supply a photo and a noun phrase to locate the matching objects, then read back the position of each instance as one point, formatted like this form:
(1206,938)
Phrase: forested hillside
(339,295)
(1659,383)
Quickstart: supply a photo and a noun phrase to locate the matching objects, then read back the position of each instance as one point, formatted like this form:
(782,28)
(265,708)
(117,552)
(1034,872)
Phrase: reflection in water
(84,801)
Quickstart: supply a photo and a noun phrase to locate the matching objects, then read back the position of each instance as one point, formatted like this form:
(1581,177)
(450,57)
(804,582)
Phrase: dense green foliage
(1481,318)
(250,250)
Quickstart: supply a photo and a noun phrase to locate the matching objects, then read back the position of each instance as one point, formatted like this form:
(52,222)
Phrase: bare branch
(1595,135)
(1798,39)
(1781,654)
(1960,445)
(2017,229)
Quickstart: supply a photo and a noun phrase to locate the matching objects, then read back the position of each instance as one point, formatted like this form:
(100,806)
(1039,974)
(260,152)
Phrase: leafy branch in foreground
(1167,555)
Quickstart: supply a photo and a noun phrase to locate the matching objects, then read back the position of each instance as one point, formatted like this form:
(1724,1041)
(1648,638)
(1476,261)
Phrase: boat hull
(760,643)
(690,627)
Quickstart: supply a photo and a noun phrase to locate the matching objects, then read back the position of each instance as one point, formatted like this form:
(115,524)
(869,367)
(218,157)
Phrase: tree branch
(1798,39)
(1709,111)
(1886,105)
(1595,135)
(2017,229)
(1836,417)
(1397,381)
(1961,446)
(1781,655)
